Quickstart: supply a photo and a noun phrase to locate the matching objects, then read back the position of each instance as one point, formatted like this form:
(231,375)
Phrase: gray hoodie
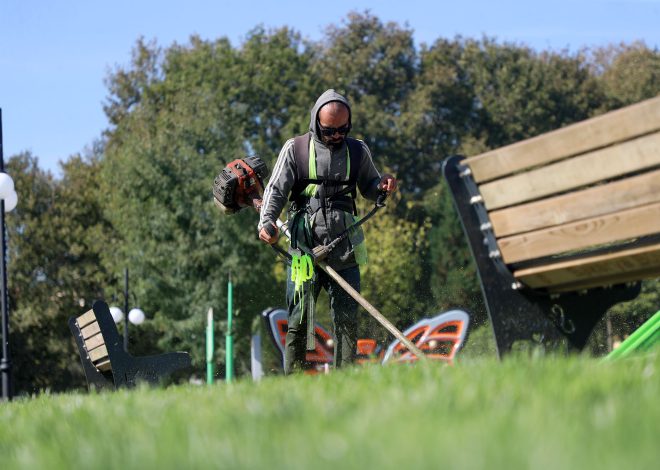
(329,163)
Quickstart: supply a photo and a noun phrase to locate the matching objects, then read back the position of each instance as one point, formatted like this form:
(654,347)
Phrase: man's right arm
(278,188)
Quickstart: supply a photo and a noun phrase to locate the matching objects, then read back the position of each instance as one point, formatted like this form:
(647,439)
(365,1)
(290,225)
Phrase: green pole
(229,362)
(210,343)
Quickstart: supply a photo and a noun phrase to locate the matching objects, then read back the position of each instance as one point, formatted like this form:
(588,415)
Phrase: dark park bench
(105,362)
(564,225)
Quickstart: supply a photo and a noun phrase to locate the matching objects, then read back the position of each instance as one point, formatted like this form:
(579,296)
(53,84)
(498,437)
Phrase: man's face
(333,122)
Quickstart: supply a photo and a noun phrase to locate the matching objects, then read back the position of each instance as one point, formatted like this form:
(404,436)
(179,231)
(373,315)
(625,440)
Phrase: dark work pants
(343,309)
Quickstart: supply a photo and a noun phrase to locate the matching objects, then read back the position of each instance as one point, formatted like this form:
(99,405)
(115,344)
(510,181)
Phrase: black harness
(343,199)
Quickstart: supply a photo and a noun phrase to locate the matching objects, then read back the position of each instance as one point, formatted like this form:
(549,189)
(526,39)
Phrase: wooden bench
(563,224)
(106,364)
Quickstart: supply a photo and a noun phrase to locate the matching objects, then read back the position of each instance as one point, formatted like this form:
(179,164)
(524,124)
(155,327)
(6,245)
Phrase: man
(320,172)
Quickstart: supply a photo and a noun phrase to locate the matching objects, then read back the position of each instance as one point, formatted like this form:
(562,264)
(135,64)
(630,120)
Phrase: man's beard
(335,144)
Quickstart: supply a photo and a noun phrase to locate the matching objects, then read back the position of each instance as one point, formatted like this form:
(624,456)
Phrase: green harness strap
(310,190)
(302,270)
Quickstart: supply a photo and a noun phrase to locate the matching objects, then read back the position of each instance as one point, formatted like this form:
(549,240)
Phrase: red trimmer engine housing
(240,184)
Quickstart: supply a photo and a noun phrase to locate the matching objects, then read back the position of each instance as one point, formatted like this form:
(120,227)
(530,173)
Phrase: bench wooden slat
(98,353)
(94,341)
(601,131)
(594,271)
(592,202)
(103,365)
(631,223)
(611,162)
(86,318)
(90,330)
(619,278)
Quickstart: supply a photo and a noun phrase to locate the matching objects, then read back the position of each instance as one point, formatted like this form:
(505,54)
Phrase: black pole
(5,363)
(126,309)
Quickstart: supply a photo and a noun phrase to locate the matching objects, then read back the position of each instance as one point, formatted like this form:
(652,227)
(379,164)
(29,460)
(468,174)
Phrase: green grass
(554,413)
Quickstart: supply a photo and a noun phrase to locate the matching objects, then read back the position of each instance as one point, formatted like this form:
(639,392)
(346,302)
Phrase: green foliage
(643,306)
(394,275)
(439,113)
(480,343)
(374,65)
(158,171)
(627,73)
(520,93)
(276,82)
(626,317)
(452,270)
(568,413)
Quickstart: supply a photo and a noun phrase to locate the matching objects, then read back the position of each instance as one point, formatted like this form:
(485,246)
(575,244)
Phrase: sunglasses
(330,131)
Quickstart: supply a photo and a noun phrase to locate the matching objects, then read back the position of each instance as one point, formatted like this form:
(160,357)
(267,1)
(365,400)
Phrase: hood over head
(325,98)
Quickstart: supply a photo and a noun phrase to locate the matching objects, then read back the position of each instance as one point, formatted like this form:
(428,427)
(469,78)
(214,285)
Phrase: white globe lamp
(117,314)
(136,316)
(10,201)
(6,185)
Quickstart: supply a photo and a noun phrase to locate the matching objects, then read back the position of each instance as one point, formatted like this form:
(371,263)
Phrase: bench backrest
(580,206)
(93,340)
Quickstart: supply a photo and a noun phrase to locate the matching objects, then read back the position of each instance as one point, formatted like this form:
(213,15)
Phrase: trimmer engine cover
(239,184)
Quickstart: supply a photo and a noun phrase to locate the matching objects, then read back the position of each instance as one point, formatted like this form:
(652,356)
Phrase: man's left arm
(370,181)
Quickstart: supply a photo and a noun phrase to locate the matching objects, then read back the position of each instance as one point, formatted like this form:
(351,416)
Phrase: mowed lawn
(552,412)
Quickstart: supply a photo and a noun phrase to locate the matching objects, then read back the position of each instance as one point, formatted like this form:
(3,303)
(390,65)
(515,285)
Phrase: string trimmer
(240,185)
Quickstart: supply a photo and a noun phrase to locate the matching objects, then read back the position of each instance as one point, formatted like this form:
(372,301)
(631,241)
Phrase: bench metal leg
(522,314)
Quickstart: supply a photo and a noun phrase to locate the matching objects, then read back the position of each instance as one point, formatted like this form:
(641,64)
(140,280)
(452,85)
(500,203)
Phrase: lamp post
(8,200)
(135,315)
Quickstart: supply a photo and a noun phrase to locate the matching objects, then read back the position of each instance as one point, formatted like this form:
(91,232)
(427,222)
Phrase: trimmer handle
(380,200)
(270,229)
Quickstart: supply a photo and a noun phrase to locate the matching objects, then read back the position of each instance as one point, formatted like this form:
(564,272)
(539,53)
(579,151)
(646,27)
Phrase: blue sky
(54,55)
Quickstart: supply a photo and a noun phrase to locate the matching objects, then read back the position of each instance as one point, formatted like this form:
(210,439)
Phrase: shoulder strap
(301,157)
(355,152)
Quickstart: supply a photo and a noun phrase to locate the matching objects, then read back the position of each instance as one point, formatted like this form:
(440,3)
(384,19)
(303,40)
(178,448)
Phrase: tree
(277,86)
(437,116)
(206,105)
(627,73)
(521,93)
(56,236)
(393,277)
(374,65)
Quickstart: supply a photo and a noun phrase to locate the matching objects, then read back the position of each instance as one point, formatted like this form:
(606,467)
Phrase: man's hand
(387,183)
(269,233)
